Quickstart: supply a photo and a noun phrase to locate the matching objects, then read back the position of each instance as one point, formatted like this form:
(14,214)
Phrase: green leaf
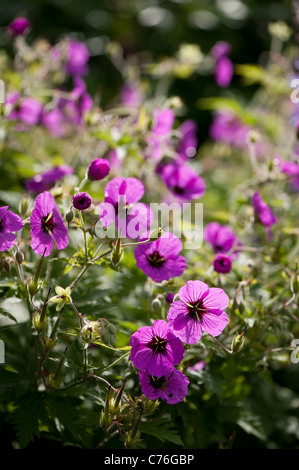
(252,425)
(68,417)
(161,429)
(7,314)
(26,417)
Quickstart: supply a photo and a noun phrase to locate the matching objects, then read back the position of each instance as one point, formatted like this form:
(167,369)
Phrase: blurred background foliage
(152,30)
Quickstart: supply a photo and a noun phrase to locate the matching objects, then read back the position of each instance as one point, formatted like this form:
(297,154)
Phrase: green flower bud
(117,253)
(19,257)
(34,287)
(114,407)
(38,324)
(23,206)
(156,305)
(111,330)
(7,266)
(149,406)
(50,344)
(238,341)
(69,216)
(155,234)
(105,420)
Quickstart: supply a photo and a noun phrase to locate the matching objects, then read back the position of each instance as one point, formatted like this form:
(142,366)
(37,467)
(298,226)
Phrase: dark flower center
(178,190)
(218,247)
(81,201)
(196,310)
(156,260)
(157,345)
(1,225)
(48,223)
(157,382)
(224,262)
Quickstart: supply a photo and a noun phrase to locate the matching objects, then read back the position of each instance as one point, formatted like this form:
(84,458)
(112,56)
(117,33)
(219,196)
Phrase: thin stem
(102,255)
(221,345)
(116,361)
(104,381)
(84,269)
(81,273)
(85,238)
(81,184)
(79,316)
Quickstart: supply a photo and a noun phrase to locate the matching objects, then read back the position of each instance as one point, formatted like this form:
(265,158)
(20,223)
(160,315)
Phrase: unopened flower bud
(38,324)
(69,216)
(33,287)
(169,297)
(23,206)
(19,257)
(238,341)
(7,266)
(98,169)
(156,305)
(155,234)
(50,344)
(149,406)
(117,253)
(105,420)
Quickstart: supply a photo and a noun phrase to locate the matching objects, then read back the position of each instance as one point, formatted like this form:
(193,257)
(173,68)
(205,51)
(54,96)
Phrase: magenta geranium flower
(47,225)
(130,95)
(156,349)
(199,309)
(188,141)
(227,127)
(159,137)
(171,388)
(221,238)
(122,207)
(264,213)
(77,58)
(224,69)
(54,121)
(291,169)
(42,182)
(9,224)
(222,263)
(98,169)
(220,49)
(27,110)
(80,103)
(19,26)
(160,259)
(183,182)
(82,201)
